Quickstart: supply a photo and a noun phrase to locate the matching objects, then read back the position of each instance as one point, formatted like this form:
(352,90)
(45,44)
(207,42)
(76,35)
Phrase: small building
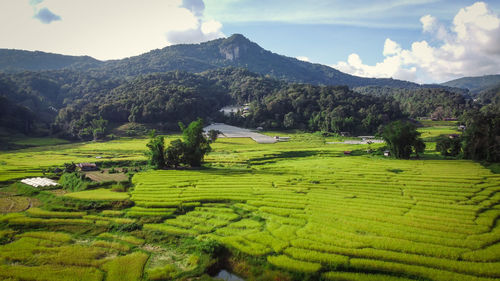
(87,166)
(387,153)
(461,127)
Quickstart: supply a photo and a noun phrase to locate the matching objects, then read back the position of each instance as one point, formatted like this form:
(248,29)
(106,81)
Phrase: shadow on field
(224,171)
(273,158)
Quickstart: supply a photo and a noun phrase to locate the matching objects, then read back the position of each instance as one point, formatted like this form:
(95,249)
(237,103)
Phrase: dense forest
(73,103)
(437,103)
(490,99)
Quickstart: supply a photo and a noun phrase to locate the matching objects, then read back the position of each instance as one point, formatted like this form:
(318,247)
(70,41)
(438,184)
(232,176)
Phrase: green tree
(156,153)
(191,149)
(174,154)
(449,146)
(98,128)
(289,120)
(402,138)
(482,136)
(213,135)
(195,144)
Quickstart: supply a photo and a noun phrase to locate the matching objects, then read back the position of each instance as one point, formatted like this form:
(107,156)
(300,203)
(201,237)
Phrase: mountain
(18,60)
(234,51)
(238,51)
(475,84)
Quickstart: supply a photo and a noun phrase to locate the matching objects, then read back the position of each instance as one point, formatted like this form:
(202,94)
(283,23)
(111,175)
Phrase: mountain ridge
(233,51)
(475,84)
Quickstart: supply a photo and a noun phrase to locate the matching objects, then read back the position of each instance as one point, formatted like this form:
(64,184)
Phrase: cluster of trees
(449,146)
(490,99)
(189,151)
(432,102)
(402,139)
(16,117)
(275,104)
(480,141)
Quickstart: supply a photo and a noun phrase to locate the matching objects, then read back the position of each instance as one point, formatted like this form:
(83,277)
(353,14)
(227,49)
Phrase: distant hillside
(490,98)
(424,102)
(238,51)
(475,84)
(235,51)
(18,60)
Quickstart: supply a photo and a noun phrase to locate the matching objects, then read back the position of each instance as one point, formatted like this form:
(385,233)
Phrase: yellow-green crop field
(30,162)
(301,207)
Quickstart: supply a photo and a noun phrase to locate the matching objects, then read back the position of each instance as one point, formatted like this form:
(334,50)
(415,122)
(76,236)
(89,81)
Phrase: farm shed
(87,166)
(387,153)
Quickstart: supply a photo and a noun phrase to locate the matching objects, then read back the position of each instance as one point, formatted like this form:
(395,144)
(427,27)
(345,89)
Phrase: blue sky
(417,40)
(327,32)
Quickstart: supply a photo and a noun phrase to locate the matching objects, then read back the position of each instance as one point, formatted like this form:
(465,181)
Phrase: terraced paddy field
(331,216)
(31,161)
(300,210)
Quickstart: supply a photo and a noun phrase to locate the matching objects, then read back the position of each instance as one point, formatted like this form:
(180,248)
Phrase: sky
(424,41)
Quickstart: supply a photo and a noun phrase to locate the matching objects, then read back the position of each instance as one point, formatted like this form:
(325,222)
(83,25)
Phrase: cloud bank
(469,47)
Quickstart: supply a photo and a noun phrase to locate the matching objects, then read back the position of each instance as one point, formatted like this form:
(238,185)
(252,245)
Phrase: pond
(228,276)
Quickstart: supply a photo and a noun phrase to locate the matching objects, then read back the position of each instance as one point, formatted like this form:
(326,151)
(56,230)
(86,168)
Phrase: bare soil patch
(104,176)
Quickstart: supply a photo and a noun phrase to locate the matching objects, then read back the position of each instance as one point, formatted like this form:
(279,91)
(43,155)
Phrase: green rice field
(301,208)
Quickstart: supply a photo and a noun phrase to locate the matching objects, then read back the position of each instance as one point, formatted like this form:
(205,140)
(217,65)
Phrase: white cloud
(428,22)
(108,29)
(303,58)
(391,47)
(470,47)
(199,30)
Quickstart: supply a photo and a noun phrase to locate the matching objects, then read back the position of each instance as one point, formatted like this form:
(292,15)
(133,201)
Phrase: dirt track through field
(236,132)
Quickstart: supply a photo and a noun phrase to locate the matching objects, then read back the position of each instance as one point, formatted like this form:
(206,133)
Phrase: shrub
(72,182)
(449,147)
